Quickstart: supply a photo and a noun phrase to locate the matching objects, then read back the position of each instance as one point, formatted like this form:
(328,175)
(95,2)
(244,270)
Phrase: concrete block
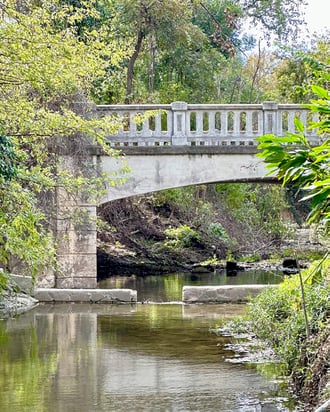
(70,241)
(86,295)
(220,294)
(25,283)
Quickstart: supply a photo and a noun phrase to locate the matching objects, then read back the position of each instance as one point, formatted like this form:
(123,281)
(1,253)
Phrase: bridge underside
(151,171)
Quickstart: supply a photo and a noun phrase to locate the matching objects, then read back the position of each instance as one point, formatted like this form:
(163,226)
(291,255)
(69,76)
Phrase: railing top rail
(291,106)
(194,106)
(127,107)
(215,106)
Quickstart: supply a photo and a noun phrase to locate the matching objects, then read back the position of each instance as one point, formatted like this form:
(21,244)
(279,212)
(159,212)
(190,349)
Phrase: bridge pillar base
(76,283)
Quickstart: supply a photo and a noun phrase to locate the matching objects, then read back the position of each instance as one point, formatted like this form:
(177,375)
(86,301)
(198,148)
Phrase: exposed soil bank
(136,242)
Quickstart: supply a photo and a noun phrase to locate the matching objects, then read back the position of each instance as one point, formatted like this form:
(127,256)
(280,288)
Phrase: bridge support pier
(76,238)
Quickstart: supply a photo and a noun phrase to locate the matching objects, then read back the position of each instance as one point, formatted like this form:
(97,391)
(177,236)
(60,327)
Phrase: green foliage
(181,237)
(217,230)
(276,315)
(294,161)
(47,69)
(280,18)
(22,234)
(298,70)
(188,50)
(258,209)
(8,159)
(3,282)
(255,257)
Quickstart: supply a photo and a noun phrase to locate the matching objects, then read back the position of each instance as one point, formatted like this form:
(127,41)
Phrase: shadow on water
(168,288)
(152,357)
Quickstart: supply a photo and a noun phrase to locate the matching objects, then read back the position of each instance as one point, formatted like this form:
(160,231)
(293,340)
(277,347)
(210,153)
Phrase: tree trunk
(130,69)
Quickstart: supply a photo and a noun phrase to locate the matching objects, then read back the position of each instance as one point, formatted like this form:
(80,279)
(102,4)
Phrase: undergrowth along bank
(296,326)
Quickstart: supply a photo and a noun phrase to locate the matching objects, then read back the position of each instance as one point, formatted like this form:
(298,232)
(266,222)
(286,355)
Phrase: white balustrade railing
(182,124)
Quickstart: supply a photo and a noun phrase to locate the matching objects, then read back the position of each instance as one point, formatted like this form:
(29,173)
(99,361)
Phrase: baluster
(291,125)
(146,131)
(158,124)
(211,131)
(280,131)
(303,118)
(249,125)
(179,110)
(132,130)
(224,124)
(270,110)
(170,123)
(199,123)
(236,125)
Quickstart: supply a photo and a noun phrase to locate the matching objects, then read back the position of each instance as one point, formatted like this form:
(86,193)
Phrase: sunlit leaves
(21,232)
(47,70)
(295,162)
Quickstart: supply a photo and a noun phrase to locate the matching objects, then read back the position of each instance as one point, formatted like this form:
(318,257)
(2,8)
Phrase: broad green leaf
(299,125)
(320,91)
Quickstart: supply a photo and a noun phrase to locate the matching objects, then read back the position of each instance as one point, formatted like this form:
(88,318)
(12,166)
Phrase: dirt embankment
(135,236)
(136,240)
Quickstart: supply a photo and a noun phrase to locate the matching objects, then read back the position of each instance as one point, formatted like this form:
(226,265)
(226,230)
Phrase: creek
(168,288)
(142,357)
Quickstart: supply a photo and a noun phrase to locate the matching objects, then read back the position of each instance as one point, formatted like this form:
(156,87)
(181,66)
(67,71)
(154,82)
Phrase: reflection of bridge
(169,146)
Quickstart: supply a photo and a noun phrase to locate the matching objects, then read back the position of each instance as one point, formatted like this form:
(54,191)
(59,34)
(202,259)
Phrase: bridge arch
(155,170)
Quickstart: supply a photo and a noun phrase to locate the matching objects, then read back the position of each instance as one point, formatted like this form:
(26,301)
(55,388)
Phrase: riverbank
(143,236)
(296,326)
(15,295)
(13,303)
(310,386)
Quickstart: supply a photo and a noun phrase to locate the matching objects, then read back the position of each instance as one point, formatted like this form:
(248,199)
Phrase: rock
(220,294)
(290,266)
(12,303)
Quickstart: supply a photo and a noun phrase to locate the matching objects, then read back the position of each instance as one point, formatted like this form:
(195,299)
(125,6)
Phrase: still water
(144,357)
(168,288)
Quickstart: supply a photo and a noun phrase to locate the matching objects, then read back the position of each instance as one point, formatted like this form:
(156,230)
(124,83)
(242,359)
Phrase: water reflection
(168,288)
(126,358)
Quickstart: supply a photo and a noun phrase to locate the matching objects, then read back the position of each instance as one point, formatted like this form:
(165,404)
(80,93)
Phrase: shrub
(182,236)
(217,230)
(277,314)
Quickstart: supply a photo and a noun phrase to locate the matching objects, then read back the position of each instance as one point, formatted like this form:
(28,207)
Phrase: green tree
(299,69)
(46,72)
(171,45)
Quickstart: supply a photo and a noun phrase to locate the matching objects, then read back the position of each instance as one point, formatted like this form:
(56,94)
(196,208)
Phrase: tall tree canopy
(178,49)
(46,71)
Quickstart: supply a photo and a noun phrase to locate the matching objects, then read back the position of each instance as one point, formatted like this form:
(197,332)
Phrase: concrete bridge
(166,146)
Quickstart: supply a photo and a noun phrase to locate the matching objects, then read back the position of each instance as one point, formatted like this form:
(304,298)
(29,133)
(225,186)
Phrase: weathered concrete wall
(220,294)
